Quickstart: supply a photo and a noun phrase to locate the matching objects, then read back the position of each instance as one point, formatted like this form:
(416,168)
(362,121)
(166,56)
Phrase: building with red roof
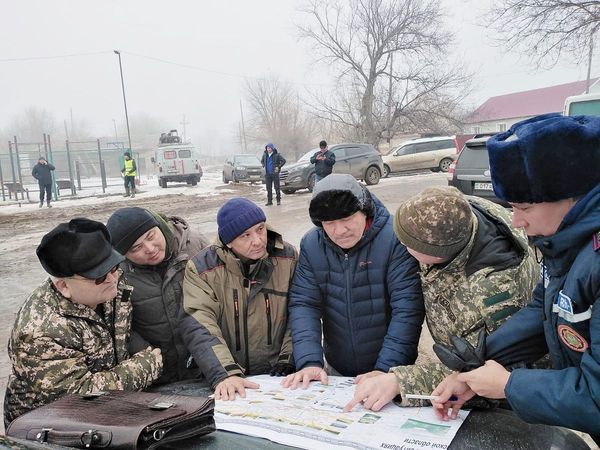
(500,112)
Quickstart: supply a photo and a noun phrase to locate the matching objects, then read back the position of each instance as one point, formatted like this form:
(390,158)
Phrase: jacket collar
(577,228)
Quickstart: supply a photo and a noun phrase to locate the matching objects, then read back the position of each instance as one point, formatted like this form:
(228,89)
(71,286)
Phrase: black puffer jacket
(157,297)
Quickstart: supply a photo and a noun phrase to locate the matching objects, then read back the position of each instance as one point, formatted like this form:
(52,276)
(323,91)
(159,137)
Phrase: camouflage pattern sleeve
(60,369)
(59,347)
(419,379)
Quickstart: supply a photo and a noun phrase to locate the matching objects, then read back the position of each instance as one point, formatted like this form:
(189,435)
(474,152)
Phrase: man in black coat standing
(41,172)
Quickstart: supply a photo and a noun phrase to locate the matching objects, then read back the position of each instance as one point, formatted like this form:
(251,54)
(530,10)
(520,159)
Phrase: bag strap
(85,439)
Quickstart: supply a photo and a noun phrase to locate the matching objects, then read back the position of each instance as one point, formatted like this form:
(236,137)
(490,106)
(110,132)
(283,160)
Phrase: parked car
(435,153)
(360,160)
(243,168)
(470,174)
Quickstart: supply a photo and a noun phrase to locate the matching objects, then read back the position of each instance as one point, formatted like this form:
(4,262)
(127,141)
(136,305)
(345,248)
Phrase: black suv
(470,173)
(360,160)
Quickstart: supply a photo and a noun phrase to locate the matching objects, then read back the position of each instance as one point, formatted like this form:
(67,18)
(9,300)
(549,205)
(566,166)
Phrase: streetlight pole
(116,134)
(118,53)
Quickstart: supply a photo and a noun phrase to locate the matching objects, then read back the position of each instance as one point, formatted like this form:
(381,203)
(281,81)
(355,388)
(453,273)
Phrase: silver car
(359,160)
(243,168)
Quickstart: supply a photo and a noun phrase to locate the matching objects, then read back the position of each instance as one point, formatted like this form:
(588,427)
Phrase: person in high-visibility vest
(129,174)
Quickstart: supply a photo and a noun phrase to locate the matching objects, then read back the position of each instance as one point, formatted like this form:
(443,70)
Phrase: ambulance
(176,161)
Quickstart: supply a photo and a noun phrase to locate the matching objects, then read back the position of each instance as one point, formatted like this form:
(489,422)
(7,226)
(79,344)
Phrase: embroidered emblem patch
(572,339)
(564,303)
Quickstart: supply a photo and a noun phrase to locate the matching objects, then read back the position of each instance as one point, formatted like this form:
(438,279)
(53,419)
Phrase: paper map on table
(312,418)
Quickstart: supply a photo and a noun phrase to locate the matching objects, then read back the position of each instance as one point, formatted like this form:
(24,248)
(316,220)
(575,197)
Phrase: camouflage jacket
(459,301)
(58,347)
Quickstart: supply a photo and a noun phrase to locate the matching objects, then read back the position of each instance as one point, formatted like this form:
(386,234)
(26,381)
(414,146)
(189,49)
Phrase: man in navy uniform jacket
(548,168)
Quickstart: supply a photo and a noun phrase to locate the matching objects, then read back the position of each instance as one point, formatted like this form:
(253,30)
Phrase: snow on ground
(91,192)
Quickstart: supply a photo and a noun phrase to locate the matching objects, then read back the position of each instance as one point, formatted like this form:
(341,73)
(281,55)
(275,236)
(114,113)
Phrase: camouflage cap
(435,222)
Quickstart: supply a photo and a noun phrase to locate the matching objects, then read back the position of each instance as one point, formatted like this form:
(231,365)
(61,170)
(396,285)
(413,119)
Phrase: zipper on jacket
(349,309)
(269,325)
(236,310)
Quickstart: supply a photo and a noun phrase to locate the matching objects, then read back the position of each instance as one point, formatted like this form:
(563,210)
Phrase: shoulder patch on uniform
(596,240)
(564,303)
(572,338)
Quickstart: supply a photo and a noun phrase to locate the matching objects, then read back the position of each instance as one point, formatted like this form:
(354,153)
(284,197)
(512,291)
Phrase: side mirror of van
(152,160)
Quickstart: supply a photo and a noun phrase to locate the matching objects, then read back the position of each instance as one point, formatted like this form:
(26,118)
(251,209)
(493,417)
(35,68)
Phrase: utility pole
(116,134)
(243,128)
(118,53)
(589,68)
(184,123)
(389,126)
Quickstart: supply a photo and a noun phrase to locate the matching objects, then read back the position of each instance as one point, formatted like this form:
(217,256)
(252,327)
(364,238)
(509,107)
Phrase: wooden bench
(14,188)
(64,184)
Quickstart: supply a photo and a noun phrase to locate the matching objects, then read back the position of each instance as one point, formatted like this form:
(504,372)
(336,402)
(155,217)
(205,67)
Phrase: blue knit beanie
(546,158)
(236,216)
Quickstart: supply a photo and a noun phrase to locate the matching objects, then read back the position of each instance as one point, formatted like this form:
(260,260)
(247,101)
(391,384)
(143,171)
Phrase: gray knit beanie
(435,222)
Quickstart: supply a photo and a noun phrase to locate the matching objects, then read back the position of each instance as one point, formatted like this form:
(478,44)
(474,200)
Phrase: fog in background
(191,59)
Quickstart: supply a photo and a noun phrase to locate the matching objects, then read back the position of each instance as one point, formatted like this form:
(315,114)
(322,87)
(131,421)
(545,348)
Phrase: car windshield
(247,159)
(306,157)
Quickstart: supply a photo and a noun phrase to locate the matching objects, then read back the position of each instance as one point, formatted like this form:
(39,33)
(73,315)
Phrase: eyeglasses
(102,279)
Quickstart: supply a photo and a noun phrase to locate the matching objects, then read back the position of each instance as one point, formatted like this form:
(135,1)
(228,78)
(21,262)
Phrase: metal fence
(79,165)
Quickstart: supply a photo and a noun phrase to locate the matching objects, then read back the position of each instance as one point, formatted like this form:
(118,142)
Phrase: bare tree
(546,29)
(277,115)
(391,57)
(31,124)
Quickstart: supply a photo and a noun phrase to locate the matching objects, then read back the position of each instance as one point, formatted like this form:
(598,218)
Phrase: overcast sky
(191,57)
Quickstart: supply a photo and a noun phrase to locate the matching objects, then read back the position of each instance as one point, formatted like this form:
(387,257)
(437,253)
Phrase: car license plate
(484,186)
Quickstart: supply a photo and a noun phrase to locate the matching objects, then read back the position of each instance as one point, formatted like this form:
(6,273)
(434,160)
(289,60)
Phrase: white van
(576,105)
(435,153)
(176,161)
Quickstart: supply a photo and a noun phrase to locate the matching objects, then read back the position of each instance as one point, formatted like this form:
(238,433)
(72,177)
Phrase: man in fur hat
(71,334)
(157,249)
(548,168)
(359,281)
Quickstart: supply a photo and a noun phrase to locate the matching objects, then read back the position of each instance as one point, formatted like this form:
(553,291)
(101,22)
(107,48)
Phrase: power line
(202,69)
(71,55)
(153,58)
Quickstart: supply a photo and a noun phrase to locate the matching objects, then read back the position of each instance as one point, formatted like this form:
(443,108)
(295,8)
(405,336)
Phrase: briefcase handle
(79,439)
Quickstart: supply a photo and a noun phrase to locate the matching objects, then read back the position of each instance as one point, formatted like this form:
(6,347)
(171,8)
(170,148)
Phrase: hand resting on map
(227,388)
(374,390)
(305,376)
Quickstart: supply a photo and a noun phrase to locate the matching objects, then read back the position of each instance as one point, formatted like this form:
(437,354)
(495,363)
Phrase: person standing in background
(272,161)
(129,172)
(42,173)
(323,161)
